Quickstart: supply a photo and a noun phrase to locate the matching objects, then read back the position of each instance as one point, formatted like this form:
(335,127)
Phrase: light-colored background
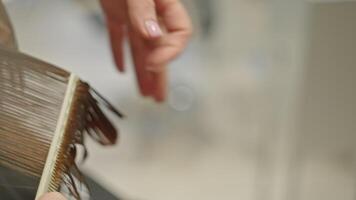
(262,103)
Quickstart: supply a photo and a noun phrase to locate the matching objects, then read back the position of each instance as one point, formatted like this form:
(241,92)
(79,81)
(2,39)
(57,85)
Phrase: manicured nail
(153,28)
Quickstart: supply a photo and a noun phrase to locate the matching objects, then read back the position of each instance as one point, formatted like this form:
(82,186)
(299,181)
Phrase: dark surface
(17,186)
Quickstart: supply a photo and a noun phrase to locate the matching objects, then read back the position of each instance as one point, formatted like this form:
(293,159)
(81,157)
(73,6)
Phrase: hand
(157,30)
(53,196)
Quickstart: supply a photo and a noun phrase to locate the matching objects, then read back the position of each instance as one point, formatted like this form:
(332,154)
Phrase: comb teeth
(79,120)
(56,161)
(30,103)
(33,99)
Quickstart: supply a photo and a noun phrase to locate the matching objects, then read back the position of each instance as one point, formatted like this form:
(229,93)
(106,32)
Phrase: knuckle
(184,38)
(190,30)
(143,6)
(149,3)
(176,50)
(188,33)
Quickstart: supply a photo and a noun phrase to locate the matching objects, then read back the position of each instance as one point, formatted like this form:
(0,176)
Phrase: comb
(45,113)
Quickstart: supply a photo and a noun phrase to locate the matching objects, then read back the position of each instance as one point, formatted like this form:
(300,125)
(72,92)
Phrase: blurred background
(262,104)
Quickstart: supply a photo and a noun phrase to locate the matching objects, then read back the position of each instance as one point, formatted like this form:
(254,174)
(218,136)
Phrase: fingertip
(120,68)
(149,29)
(160,83)
(153,29)
(116,38)
(143,92)
(143,18)
(160,99)
(118,60)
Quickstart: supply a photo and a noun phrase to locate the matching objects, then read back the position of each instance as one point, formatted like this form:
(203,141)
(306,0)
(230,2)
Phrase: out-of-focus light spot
(181,98)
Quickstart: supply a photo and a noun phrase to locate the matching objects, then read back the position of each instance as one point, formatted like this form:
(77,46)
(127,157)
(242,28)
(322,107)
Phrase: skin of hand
(53,196)
(157,31)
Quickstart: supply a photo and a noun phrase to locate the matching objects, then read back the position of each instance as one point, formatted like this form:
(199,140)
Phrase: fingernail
(153,28)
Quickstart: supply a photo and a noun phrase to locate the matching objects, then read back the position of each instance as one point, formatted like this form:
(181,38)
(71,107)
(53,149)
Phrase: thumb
(143,18)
